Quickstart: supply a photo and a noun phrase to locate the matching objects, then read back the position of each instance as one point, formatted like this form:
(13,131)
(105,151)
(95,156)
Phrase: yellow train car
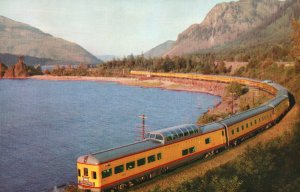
(161,150)
(218,78)
(241,126)
(168,148)
(280,106)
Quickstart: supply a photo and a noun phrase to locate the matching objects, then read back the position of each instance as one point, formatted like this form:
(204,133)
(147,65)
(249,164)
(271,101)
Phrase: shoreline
(196,86)
(152,82)
(218,89)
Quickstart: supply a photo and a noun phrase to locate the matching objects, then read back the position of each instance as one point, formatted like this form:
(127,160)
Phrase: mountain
(225,23)
(273,33)
(21,39)
(107,57)
(160,50)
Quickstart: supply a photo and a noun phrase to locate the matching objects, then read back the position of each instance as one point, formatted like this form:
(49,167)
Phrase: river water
(46,125)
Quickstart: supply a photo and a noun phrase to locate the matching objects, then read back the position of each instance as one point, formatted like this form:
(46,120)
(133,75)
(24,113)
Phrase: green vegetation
(34,70)
(236,89)
(211,117)
(205,64)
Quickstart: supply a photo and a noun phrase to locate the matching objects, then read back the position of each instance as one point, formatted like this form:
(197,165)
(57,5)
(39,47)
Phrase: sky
(110,27)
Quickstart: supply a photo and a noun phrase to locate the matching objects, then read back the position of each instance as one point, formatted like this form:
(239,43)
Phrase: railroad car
(165,149)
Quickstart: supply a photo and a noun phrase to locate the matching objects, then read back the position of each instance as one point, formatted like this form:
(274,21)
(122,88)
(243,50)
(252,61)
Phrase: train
(166,149)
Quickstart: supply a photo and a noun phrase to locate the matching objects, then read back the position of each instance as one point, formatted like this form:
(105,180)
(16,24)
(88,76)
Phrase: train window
(159,156)
(152,136)
(151,158)
(237,130)
(191,131)
(159,137)
(232,132)
(130,165)
(222,133)
(196,130)
(242,127)
(86,172)
(185,152)
(141,162)
(106,173)
(255,121)
(207,140)
(251,123)
(119,169)
(175,136)
(180,134)
(79,172)
(246,125)
(186,133)
(169,136)
(192,150)
(147,135)
(94,175)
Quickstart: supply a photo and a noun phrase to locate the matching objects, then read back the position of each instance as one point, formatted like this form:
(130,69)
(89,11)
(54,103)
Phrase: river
(46,125)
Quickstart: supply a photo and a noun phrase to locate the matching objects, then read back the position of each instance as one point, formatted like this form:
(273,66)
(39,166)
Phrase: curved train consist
(168,148)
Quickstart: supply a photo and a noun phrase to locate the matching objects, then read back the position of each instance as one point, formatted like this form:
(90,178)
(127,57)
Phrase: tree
(235,88)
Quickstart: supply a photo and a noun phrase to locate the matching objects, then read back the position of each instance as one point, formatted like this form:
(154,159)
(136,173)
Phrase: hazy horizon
(110,27)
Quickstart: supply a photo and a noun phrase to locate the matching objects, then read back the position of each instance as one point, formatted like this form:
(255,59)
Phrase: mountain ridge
(224,23)
(22,39)
(160,49)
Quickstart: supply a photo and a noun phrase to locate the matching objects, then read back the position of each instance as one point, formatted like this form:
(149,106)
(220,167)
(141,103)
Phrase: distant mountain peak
(160,49)
(22,39)
(224,23)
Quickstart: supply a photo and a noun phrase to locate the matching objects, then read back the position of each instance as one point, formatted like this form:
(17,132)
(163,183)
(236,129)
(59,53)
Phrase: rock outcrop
(19,70)
(9,73)
(3,68)
(224,23)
